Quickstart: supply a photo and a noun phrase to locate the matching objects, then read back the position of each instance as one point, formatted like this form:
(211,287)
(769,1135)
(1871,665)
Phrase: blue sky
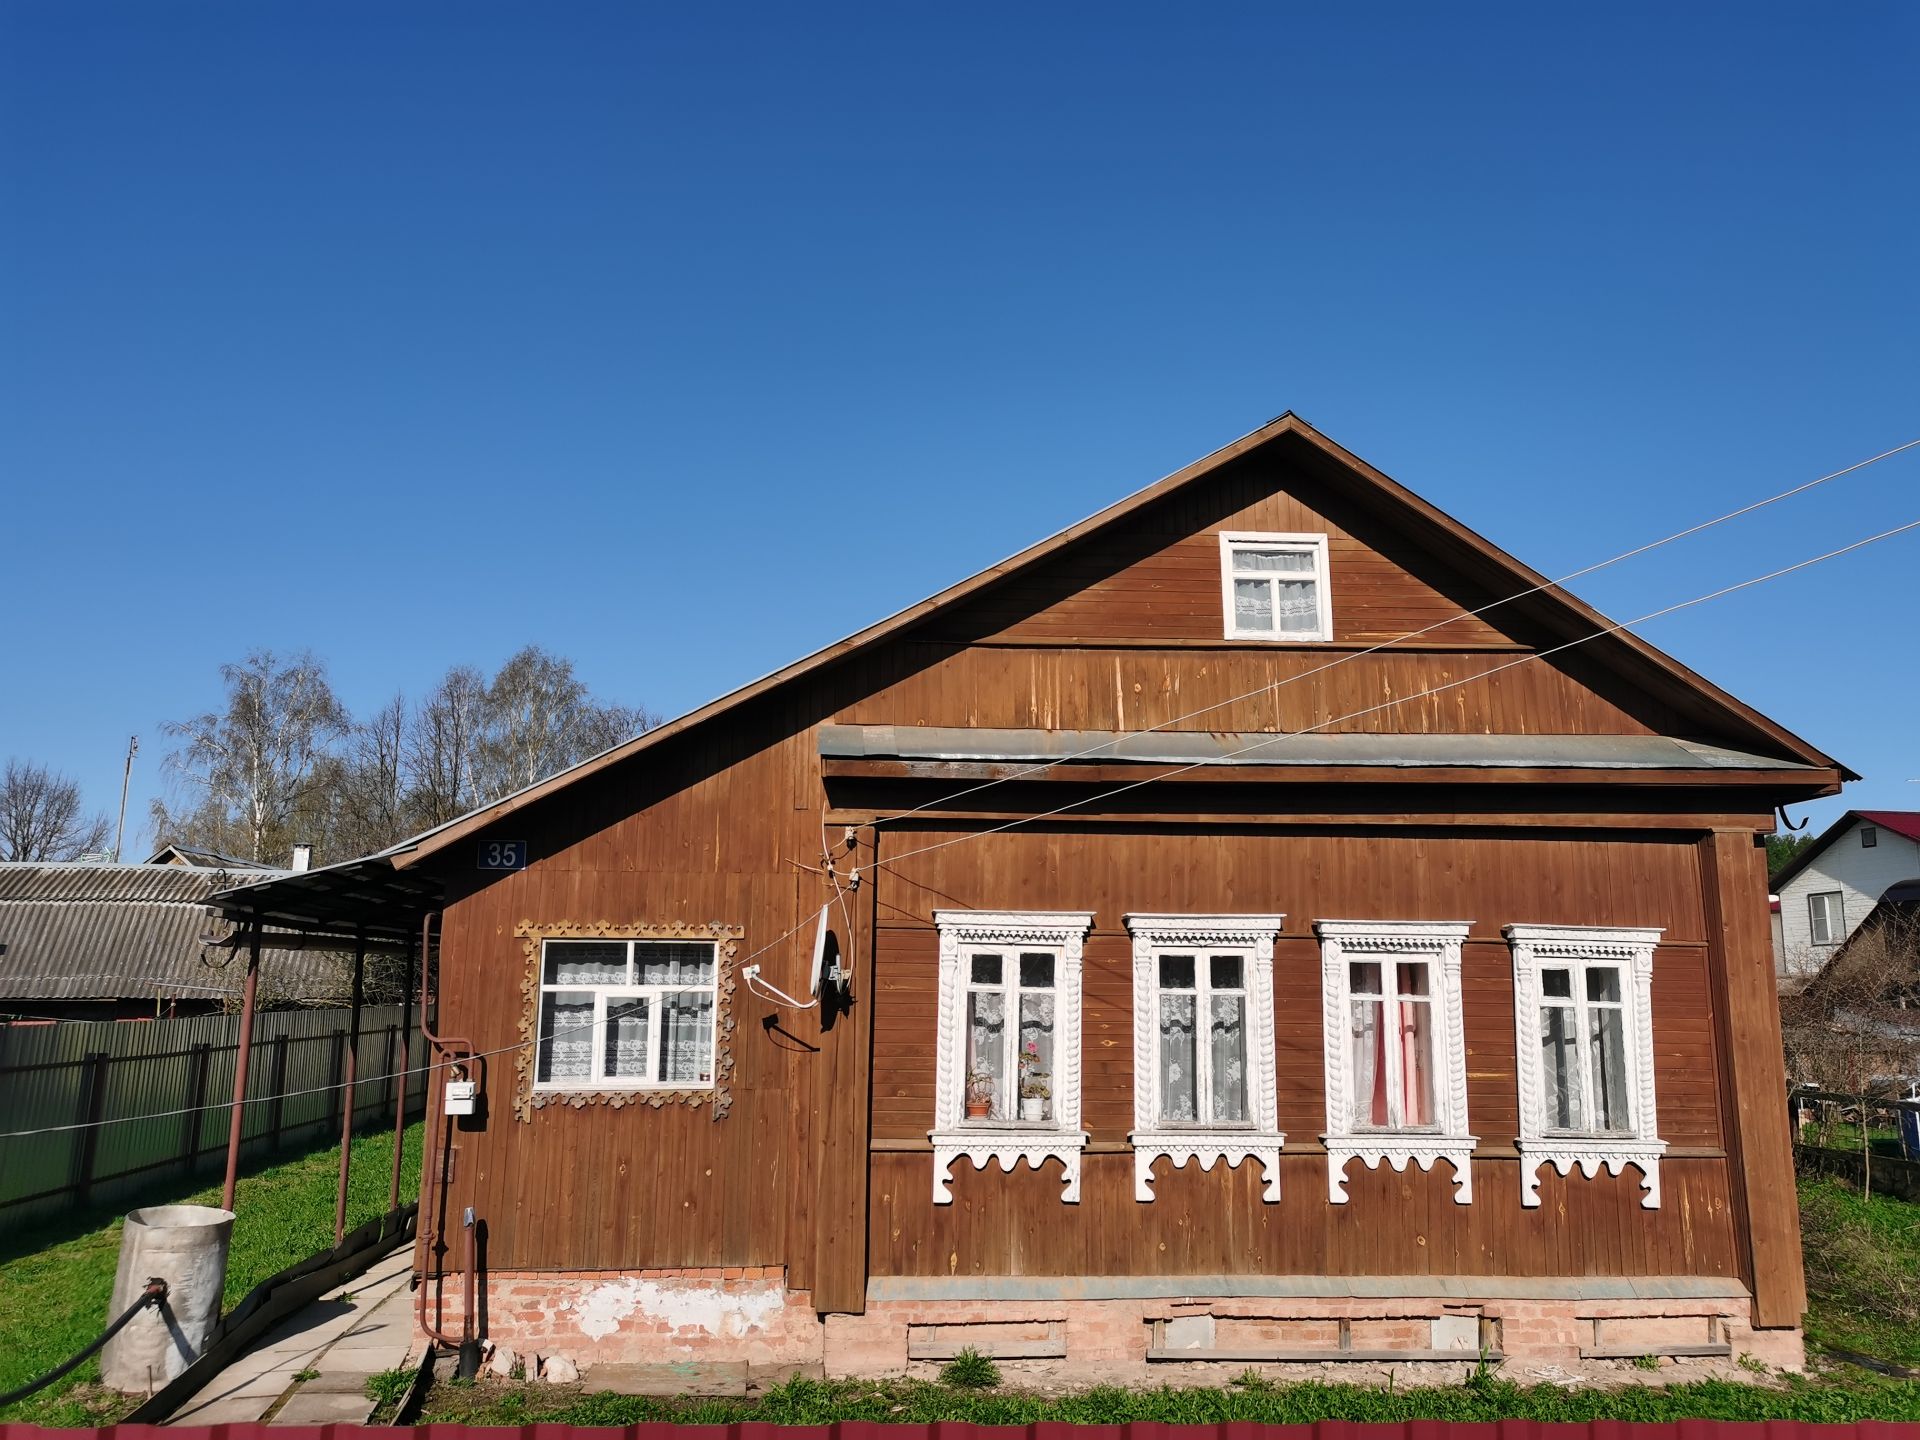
(683,340)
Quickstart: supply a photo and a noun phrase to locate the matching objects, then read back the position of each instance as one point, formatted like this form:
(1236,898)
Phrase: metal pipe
(469,1347)
(240,1060)
(430,1159)
(346,1098)
(406,1079)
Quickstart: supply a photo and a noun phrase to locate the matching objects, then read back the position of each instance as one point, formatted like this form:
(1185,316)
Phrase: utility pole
(126,779)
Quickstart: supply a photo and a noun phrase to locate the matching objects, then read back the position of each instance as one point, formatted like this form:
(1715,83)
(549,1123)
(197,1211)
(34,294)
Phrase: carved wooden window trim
(719,1095)
(1575,946)
(1437,943)
(954,1137)
(1252,937)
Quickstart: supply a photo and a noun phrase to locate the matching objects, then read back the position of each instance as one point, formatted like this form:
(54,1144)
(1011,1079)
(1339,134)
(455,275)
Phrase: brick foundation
(747,1314)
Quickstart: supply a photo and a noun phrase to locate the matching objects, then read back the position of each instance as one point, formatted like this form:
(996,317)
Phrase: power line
(1274,686)
(891,861)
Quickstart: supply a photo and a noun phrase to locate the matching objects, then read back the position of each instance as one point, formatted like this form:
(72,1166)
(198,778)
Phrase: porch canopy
(367,899)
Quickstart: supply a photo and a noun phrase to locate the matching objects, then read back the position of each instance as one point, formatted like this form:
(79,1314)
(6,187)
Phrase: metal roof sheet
(1187,747)
(117,932)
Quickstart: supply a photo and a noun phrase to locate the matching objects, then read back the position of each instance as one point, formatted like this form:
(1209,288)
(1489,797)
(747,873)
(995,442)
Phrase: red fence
(960,1430)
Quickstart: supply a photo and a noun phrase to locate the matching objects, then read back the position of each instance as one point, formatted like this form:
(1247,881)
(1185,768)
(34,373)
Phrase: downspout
(432,1163)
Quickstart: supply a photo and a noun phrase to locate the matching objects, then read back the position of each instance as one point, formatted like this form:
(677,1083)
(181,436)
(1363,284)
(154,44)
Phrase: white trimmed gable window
(626,1015)
(1583,1027)
(1203,1049)
(1395,1053)
(1007,1055)
(1274,587)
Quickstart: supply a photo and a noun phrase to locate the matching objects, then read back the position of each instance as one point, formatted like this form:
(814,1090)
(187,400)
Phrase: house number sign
(502,855)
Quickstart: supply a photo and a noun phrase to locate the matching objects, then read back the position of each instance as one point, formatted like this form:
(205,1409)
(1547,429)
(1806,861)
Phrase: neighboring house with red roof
(1832,885)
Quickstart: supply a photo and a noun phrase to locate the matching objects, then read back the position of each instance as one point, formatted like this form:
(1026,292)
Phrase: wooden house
(1264,920)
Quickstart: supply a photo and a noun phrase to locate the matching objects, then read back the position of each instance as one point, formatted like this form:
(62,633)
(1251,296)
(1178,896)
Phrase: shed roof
(132,932)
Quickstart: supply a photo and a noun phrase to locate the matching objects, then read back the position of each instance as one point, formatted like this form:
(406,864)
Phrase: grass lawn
(56,1279)
(1863,1270)
(812,1402)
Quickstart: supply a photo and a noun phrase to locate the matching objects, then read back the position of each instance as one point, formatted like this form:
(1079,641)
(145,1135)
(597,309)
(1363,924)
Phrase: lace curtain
(1180,1060)
(566,1038)
(986,1048)
(686,1031)
(625,1054)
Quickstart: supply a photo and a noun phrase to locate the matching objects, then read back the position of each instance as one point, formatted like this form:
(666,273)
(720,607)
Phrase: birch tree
(41,816)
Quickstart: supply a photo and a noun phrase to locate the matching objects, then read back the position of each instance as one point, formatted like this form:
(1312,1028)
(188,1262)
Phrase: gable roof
(1900,822)
(1638,662)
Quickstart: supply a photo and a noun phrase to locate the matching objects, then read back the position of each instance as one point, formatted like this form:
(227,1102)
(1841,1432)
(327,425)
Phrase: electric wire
(1273,686)
(890,862)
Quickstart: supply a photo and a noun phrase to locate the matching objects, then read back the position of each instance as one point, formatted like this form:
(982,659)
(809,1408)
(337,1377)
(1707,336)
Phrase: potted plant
(1036,1088)
(979,1094)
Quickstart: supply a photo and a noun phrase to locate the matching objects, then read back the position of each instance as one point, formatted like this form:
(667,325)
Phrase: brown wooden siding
(1214,1222)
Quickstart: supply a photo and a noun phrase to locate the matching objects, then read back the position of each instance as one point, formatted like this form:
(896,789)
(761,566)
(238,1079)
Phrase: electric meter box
(460,1096)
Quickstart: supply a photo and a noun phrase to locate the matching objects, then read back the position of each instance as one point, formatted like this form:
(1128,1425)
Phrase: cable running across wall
(1028,820)
(1651,615)
(1274,686)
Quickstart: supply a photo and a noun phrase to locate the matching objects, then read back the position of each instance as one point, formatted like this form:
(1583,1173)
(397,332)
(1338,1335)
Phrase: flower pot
(1033,1107)
(979,1109)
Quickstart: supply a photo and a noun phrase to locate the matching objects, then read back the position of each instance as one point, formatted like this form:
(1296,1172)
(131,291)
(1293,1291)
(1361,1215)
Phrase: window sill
(1007,1142)
(1206,1145)
(1400,1148)
(1563,1152)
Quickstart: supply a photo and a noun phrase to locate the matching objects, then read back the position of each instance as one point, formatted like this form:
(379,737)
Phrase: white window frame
(1251,937)
(654,995)
(1007,932)
(1577,947)
(1436,943)
(1315,545)
(1834,916)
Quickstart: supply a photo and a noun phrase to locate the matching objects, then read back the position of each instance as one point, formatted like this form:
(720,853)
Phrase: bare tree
(256,764)
(442,746)
(1855,1028)
(372,808)
(41,819)
(540,720)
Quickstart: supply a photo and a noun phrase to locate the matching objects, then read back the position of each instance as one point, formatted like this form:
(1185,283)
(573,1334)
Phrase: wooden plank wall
(1215,1223)
(1123,633)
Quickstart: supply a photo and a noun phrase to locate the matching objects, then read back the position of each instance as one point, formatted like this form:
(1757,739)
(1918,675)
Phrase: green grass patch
(1863,1270)
(1486,1398)
(56,1280)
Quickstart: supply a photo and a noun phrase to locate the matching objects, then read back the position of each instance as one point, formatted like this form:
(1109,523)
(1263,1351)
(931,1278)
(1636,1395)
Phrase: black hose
(154,1294)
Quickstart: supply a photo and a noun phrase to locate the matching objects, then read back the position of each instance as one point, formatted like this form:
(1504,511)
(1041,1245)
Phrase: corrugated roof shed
(121,932)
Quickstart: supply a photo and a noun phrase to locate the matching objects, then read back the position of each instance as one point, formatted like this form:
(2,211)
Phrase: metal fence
(166,1087)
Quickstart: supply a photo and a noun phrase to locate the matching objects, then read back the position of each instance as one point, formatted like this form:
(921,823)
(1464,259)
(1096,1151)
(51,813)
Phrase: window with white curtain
(626,1015)
(1275,587)
(1583,1031)
(1203,1043)
(1007,1051)
(1394,1049)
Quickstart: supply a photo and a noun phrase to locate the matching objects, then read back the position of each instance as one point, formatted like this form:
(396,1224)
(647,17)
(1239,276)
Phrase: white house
(1830,887)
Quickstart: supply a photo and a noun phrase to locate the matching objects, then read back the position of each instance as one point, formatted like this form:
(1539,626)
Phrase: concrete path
(344,1342)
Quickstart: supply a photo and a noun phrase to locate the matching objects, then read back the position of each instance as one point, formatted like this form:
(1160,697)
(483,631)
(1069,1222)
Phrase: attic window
(1274,587)
(1869,837)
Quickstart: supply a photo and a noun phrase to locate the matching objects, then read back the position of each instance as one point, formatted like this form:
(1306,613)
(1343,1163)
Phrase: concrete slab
(683,1377)
(307,1406)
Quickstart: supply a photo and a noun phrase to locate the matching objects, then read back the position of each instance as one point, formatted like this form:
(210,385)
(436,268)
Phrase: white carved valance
(1207,1143)
(1010,1138)
(1637,1143)
(1445,1135)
